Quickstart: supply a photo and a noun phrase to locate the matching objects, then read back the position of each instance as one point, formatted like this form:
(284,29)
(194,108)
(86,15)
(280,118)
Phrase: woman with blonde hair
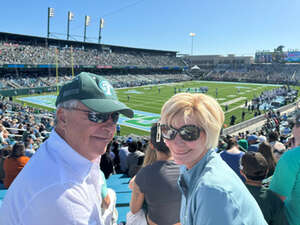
(211,191)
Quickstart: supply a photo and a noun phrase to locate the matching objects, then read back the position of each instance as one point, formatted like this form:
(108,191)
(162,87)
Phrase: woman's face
(186,153)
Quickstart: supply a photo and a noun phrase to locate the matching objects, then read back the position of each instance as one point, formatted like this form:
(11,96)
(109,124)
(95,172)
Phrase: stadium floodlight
(50,14)
(87,20)
(86,23)
(70,17)
(100,29)
(192,35)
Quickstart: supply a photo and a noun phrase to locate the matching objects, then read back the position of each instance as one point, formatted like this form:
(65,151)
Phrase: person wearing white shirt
(61,184)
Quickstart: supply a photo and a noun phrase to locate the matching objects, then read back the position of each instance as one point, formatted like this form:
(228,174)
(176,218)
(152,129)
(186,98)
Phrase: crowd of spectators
(12,81)
(260,73)
(25,53)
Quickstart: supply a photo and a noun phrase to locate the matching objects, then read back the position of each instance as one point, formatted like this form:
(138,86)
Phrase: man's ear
(61,116)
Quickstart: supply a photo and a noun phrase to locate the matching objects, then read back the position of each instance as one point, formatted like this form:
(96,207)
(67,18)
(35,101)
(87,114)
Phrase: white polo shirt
(57,186)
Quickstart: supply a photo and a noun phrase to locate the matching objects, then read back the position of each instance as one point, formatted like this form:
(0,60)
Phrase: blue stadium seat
(122,211)
(2,193)
(119,183)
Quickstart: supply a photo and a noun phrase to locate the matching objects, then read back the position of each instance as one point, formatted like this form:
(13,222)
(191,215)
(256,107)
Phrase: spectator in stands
(266,150)
(150,155)
(253,143)
(3,135)
(118,130)
(243,144)
(163,206)
(4,153)
(123,153)
(212,193)
(29,151)
(273,138)
(116,158)
(107,163)
(255,168)
(64,173)
(135,159)
(232,156)
(285,181)
(278,149)
(296,124)
(14,163)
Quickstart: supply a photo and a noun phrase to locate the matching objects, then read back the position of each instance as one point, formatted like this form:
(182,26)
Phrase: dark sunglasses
(186,132)
(100,117)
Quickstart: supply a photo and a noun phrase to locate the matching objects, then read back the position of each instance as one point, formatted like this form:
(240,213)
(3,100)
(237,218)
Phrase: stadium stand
(29,62)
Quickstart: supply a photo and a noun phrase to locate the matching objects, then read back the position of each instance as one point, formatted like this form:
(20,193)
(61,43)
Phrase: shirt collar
(72,160)
(190,177)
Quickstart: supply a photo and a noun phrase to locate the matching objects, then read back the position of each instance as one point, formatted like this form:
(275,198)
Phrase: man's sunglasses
(100,117)
(186,132)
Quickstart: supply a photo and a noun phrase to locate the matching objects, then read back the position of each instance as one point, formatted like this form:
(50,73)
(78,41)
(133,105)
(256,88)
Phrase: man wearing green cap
(62,183)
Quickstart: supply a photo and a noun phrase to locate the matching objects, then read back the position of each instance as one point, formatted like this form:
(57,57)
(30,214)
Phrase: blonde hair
(204,109)
(150,155)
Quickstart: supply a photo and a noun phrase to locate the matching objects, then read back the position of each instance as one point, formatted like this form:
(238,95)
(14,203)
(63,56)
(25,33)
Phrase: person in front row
(212,193)
(156,186)
(286,179)
(61,184)
(254,167)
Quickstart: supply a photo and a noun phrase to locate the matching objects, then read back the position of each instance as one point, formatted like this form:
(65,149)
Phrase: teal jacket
(212,194)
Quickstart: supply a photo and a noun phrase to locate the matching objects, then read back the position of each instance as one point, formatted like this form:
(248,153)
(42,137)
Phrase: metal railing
(255,120)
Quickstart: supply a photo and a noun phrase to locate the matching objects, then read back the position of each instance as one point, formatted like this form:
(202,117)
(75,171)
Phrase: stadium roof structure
(60,42)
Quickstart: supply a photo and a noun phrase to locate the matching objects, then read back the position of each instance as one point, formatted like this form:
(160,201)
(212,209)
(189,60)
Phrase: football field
(146,101)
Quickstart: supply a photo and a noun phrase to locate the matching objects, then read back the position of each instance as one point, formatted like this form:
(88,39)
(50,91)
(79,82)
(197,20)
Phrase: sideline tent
(195,68)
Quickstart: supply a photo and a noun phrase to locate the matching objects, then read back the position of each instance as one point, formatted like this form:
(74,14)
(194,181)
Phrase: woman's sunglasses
(100,117)
(186,132)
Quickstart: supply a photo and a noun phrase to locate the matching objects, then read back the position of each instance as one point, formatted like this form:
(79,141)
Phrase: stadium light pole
(192,35)
(86,23)
(100,29)
(50,14)
(70,17)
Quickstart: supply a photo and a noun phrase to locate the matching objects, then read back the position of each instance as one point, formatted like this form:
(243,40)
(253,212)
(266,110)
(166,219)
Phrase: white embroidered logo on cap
(106,87)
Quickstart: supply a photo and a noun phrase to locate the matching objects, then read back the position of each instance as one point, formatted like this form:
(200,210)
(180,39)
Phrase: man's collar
(71,159)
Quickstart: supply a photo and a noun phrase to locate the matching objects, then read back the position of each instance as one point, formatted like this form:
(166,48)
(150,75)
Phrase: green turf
(149,99)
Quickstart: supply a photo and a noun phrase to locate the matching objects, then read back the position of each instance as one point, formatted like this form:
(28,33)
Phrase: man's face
(86,137)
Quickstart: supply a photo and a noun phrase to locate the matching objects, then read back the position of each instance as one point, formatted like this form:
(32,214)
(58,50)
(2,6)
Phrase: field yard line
(233,101)
(234,108)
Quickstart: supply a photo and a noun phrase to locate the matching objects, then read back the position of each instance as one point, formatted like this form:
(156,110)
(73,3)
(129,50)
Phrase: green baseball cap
(94,92)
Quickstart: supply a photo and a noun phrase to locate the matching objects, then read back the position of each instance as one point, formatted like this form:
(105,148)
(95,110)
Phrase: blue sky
(223,27)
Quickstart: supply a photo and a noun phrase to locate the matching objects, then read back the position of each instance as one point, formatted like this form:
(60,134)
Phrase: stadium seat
(119,183)
(2,193)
